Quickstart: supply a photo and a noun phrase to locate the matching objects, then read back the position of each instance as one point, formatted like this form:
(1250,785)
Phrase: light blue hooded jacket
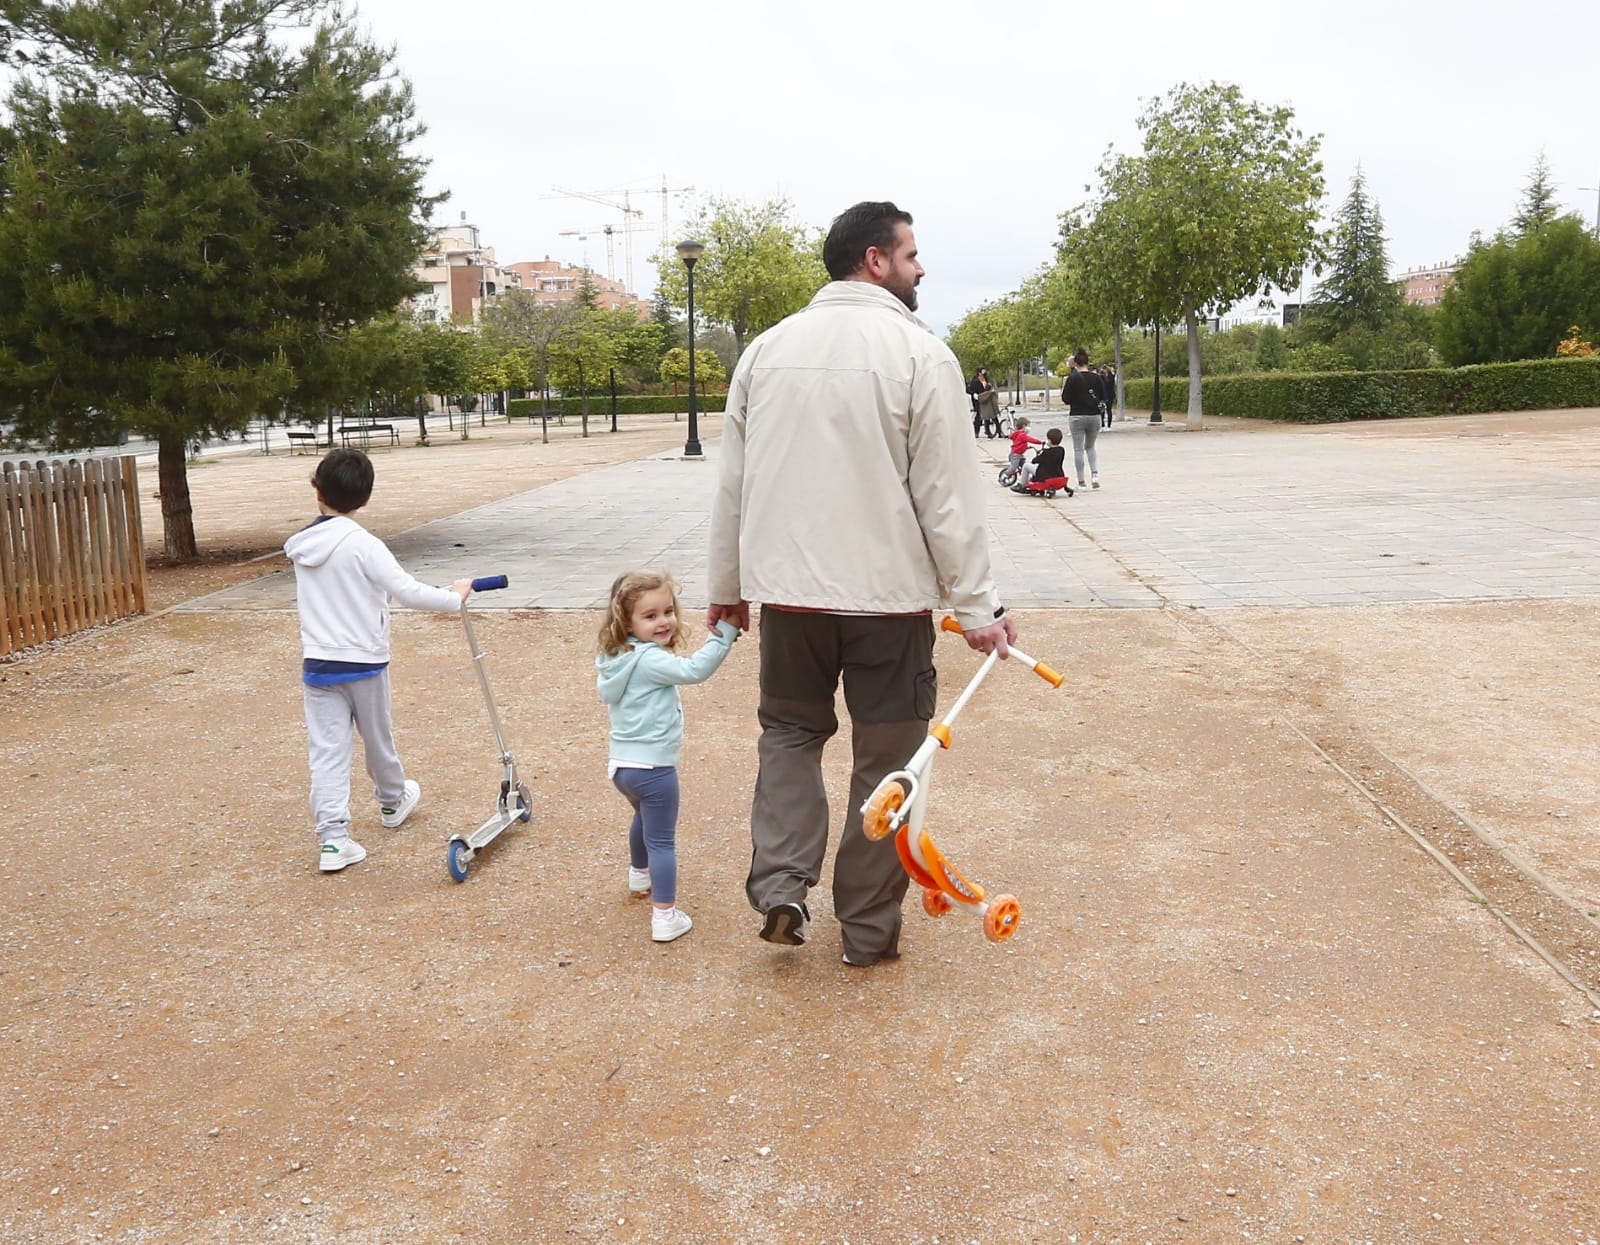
(640,687)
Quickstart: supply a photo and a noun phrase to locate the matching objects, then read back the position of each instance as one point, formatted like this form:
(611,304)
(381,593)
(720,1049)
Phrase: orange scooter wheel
(919,875)
(1002,918)
(880,808)
(935,902)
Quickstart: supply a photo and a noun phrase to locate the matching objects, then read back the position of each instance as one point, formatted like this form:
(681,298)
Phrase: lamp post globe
(689,252)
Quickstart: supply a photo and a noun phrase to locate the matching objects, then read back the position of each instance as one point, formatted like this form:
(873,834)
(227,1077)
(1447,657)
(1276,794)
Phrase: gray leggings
(1085,431)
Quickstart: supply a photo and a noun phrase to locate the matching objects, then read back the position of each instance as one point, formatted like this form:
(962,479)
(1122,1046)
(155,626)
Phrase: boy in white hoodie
(344,577)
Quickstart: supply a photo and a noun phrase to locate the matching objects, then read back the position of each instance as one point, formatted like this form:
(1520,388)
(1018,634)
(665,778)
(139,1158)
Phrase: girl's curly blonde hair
(625,594)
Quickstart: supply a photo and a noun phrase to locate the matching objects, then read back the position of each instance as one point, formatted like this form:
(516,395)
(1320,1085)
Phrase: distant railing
(71,548)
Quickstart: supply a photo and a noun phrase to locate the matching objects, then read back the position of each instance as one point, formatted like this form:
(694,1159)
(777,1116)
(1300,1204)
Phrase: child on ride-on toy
(1049,463)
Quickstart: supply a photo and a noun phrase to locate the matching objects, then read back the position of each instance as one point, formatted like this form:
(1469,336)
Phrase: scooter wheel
(458,856)
(935,902)
(524,802)
(1002,918)
(885,802)
(1007,476)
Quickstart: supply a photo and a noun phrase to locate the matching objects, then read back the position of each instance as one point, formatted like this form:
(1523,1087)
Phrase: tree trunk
(177,515)
(1116,364)
(583,388)
(1196,417)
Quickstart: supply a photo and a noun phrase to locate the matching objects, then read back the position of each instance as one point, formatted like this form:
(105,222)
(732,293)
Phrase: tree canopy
(197,211)
(1357,292)
(758,266)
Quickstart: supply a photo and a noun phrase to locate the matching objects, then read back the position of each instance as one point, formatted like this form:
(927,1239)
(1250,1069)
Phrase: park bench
(362,434)
(303,441)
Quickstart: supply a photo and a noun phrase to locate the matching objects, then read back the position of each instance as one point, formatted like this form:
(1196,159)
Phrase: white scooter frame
(898,805)
(462,850)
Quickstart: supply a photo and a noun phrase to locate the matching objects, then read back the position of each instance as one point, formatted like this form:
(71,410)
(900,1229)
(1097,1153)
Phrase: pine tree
(196,217)
(1538,207)
(1358,291)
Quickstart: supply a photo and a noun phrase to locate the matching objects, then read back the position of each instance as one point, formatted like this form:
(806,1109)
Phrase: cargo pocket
(926,698)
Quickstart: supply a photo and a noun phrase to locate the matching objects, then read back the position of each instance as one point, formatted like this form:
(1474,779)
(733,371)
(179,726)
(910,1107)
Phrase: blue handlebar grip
(489,583)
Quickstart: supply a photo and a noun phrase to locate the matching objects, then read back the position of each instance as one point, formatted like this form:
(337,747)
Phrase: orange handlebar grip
(947,623)
(941,732)
(1049,675)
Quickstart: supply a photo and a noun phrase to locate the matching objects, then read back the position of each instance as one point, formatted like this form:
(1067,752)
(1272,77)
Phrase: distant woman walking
(1083,394)
(985,404)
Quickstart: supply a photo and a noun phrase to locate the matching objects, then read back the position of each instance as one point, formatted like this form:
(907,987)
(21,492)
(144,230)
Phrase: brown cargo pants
(890,690)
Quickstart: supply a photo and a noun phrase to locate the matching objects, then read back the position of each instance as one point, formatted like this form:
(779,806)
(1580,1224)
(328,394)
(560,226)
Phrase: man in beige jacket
(849,505)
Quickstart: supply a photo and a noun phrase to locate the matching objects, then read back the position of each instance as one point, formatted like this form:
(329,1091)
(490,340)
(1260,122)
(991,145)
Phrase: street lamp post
(1155,402)
(689,252)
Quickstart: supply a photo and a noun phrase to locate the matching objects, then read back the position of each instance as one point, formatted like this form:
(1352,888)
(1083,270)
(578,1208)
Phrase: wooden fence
(71,548)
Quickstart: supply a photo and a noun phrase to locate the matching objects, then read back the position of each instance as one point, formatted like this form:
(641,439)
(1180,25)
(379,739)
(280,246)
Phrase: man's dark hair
(1081,358)
(343,479)
(854,230)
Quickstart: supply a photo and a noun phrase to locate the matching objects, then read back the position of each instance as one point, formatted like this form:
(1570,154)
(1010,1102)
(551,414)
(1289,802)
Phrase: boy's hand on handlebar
(462,588)
(997,637)
(738,615)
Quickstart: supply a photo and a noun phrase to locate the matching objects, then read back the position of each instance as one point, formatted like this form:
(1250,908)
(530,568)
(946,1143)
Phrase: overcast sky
(983,120)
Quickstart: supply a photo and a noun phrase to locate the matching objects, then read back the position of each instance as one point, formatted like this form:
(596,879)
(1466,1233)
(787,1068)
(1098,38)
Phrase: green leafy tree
(708,369)
(758,266)
(1516,296)
(1358,292)
(1538,207)
(196,209)
(1222,204)
(1272,353)
(520,319)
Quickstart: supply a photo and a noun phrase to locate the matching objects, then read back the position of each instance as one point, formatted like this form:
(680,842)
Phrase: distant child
(1049,463)
(639,675)
(344,577)
(1021,439)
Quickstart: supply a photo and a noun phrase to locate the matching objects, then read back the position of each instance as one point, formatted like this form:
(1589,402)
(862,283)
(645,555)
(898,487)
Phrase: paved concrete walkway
(1277,517)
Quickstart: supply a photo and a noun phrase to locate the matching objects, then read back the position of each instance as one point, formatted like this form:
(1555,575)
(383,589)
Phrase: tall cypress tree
(1358,290)
(195,216)
(1538,207)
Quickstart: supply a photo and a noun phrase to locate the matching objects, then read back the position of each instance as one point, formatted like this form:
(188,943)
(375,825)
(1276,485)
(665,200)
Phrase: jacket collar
(866,294)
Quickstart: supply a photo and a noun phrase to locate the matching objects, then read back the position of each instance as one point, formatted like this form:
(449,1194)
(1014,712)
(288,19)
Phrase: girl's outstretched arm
(660,666)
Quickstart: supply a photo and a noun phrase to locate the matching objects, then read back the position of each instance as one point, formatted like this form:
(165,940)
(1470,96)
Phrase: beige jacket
(847,478)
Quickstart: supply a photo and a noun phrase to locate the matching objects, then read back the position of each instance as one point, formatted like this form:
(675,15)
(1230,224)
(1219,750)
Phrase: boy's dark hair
(854,230)
(1053,436)
(343,479)
(1081,358)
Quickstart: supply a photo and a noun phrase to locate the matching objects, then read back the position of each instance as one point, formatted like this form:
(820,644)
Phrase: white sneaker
(393,817)
(337,854)
(638,881)
(673,923)
(1094,481)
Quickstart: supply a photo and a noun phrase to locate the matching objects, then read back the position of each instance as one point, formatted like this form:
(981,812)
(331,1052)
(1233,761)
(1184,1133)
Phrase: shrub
(1332,397)
(630,404)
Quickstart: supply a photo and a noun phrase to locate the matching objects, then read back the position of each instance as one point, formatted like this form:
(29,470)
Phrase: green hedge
(631,404)
(1332,397)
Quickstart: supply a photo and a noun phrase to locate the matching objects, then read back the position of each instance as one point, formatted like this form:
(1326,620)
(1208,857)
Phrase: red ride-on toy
(1045,488)
(899,803)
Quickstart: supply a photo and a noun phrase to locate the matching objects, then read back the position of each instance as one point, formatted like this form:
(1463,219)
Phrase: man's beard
(908,295)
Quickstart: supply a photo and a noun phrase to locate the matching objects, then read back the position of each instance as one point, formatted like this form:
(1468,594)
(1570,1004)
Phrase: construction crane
(610,232)
(625,207)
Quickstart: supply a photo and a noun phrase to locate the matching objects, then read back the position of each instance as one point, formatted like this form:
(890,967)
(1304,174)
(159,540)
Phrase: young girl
(638,681)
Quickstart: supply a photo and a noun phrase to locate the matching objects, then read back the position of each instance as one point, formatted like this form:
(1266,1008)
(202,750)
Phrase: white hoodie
(344,577)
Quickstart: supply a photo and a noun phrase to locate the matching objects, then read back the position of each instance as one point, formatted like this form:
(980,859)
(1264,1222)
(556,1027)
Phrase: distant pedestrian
(985,405)
(1108,395)
(344,577)
(1082,395)
(639,676)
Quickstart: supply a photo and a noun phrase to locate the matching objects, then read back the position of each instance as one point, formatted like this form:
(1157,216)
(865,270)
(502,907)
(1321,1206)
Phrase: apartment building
(553,282)
(1425,287)
(461,275)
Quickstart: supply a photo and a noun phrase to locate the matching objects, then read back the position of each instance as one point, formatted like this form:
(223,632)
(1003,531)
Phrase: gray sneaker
(785,924)
(338,854)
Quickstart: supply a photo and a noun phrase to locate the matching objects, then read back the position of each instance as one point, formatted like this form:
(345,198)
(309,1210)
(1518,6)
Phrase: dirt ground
(1244,1005)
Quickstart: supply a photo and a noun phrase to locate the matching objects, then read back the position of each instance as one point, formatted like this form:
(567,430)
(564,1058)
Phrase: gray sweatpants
(890,688)
(330,714)
(1085,431)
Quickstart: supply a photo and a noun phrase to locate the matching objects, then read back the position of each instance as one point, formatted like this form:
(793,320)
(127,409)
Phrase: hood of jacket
(615,671)
(314,545)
